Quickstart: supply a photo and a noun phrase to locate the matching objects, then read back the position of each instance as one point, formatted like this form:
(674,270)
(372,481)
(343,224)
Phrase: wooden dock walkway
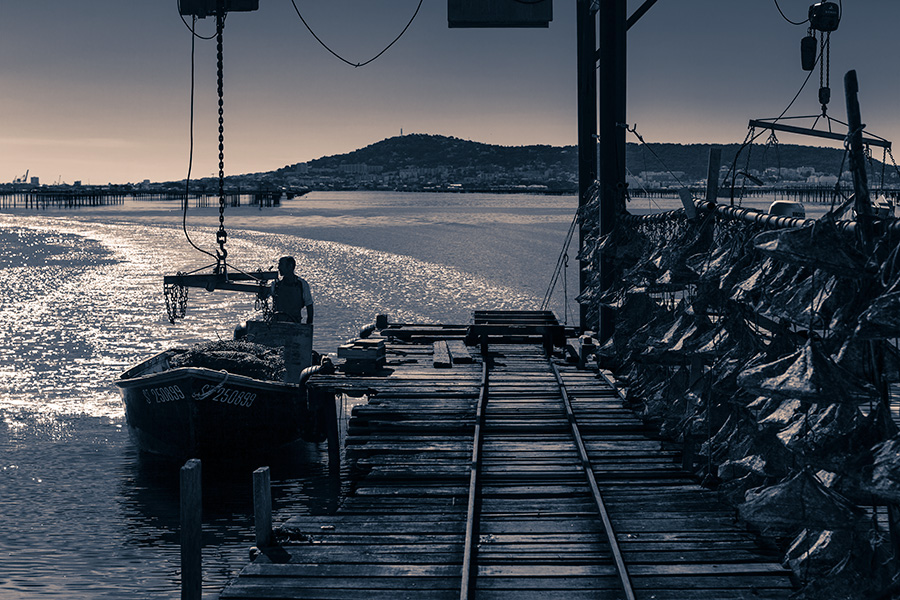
(509,476)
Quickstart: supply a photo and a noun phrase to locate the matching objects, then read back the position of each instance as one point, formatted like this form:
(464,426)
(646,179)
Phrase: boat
(201,412)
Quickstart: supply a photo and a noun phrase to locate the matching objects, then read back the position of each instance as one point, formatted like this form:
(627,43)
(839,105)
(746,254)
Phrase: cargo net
(769,353)
(236,357)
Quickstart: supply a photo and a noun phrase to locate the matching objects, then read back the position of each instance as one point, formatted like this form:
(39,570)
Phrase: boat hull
(193,412)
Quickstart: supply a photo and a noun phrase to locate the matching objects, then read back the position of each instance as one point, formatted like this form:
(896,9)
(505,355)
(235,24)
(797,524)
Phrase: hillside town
(420,162)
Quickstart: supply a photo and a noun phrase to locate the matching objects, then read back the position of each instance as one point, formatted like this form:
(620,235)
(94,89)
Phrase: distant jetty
(88,196)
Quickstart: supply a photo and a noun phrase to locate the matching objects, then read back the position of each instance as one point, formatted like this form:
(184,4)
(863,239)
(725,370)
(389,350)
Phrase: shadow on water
(149,492)
(148,496)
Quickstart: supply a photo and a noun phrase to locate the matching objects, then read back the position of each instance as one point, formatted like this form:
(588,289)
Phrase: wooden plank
(401,531)
(459,352)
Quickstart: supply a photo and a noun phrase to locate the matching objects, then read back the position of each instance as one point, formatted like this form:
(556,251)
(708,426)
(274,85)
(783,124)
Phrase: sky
(99,91)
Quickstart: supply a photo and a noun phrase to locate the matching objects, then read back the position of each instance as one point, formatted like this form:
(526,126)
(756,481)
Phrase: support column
(586,34)
(612,70)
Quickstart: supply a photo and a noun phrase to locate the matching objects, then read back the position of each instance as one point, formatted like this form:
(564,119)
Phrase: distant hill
(434,151)
(463,160)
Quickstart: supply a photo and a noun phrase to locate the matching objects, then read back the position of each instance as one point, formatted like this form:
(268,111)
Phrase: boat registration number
(227,396)
(163,394)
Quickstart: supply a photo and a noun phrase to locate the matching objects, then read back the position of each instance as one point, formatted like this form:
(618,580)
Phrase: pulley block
(206,8)
(824,16)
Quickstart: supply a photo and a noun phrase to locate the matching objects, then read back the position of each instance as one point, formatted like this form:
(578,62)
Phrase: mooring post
(712,174)
(262,506)
(858,159)
(191,519)
(333,432)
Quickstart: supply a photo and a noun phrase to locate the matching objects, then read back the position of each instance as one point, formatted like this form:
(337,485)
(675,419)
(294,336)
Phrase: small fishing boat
(197,411)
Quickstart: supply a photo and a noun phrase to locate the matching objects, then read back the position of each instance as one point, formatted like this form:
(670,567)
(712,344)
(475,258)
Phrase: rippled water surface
(82,513)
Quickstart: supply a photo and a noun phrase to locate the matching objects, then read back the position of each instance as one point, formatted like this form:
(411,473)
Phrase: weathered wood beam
(641,10)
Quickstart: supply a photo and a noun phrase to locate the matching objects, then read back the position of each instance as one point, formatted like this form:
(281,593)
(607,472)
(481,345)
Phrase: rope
(187,186)
(208,393)
(341,58)
(566,290)
(560,262)
(635,132)
(650,201)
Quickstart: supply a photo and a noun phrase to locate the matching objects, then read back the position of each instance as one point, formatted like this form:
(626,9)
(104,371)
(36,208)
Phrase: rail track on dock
(514,475)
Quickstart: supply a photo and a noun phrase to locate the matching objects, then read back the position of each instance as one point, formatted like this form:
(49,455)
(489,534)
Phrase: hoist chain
(221,234)
(825,71)
(893,162)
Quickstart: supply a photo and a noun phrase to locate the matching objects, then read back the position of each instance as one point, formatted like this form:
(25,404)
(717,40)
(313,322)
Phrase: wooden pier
(508,473)
(93,196)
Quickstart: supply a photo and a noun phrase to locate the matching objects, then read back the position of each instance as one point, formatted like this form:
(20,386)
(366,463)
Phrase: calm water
(82,513)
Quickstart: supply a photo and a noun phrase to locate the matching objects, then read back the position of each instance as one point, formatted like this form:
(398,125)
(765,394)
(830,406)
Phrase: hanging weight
(808,53)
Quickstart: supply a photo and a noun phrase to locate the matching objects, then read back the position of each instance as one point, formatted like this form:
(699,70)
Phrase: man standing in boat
(290,294)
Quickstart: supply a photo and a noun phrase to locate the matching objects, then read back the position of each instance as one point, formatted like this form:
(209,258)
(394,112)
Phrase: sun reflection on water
(82,301)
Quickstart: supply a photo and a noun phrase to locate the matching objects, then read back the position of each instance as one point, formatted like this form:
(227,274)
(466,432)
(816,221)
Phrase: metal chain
(893,162)
(821,62)
(176,296)
(221,234)
(825,71)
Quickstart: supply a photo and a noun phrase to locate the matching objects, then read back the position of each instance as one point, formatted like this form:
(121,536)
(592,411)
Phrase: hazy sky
(99,90)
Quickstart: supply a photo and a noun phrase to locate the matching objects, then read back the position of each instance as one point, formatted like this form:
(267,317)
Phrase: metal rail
(468,572)
(595,490)
(474,471)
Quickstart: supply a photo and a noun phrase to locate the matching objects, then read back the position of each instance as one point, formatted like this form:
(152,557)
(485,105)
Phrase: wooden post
(262,506)
(191,519)
(858,158)
(712,174)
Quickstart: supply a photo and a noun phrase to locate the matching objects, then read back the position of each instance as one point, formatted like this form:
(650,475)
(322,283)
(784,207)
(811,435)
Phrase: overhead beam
(870,141)
(212,281)
(642,9)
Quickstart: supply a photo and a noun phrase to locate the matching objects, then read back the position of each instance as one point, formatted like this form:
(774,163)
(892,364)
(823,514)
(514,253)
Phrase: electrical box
(499,13)
(207,8)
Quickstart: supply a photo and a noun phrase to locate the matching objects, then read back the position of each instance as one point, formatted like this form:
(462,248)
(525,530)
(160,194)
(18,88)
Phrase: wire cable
(191,29)
(349,62)
(751,137)
(655,155)
(187,186)
(784,16)
(561,262)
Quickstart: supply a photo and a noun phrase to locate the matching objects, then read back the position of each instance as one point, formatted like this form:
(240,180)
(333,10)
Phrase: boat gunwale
(203,373)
